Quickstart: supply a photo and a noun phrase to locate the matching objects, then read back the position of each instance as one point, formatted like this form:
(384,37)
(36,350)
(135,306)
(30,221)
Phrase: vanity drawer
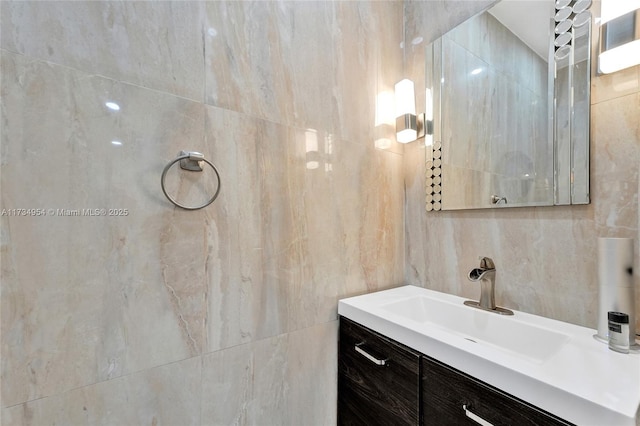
(453,398)
(370,393)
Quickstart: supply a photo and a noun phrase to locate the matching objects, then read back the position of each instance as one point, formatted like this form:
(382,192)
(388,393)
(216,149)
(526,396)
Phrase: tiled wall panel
(120,319)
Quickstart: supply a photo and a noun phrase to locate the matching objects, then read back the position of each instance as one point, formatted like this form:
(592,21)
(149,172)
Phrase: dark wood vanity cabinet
(454,398)
(412,389)
(378,379)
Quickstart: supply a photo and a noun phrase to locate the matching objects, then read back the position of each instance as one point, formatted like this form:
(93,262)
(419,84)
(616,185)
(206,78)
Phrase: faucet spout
(478,274)
(486,274)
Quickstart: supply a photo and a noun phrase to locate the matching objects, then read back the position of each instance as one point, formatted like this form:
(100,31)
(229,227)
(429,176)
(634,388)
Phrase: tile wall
(484,67)
(547,256)
(225,315)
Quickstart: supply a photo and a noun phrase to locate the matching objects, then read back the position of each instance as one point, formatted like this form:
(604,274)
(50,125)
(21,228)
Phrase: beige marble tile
(166,395)
(425,23)
(468,96)
(372,44)
(373,248)
(415,218)
(227,385)
(127,41)
(318,68)
(110,294)
(615,130)
(286,239)
(296,238)
(487,70)
(615,159)
(434,18)
(270,60)
(252,245)
(242,74)
(608,86)
(458,194)
(546,257)
(258,273)
(312,364)
(287,379)
(474,35)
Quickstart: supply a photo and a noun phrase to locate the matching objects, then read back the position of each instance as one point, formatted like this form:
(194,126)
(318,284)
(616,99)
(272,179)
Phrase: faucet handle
(487,263)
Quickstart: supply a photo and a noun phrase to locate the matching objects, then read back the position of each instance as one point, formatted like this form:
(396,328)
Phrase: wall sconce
(619,35)
(409,127)
(311,149)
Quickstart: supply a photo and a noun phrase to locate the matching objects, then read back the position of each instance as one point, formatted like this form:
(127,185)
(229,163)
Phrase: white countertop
(583,382)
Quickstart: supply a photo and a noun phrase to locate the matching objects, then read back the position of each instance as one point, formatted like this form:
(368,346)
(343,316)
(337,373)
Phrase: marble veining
(164,395)
(275,60)
(276,379)
(119,319)
(228,314)
(86,299)
(127,41)
(546,257)
(494,79)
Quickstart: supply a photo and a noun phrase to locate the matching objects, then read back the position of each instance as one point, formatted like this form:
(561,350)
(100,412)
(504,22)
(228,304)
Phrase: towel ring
(190,160)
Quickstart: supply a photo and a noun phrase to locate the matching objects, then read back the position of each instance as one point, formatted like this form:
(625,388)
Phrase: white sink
(505,333)
(551,364)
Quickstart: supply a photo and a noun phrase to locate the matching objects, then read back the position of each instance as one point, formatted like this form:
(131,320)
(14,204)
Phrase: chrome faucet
(486,274)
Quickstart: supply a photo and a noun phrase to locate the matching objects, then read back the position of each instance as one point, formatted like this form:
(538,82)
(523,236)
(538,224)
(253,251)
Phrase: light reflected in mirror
(507,131)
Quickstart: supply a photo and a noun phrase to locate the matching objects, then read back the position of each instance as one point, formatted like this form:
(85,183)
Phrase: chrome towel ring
(190,160)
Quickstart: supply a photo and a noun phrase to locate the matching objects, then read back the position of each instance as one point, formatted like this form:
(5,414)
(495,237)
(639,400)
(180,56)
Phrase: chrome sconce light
(409,126)
(619,35)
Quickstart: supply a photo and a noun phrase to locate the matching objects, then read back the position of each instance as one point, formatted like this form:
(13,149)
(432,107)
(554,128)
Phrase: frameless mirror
(510,92)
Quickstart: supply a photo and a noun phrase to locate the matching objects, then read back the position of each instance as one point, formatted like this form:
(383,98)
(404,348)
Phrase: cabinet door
(378,379)
(453,398)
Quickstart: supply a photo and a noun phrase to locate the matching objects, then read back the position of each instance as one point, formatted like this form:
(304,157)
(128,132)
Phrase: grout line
(90,74)
(203,101)
(66,391)
(201,356)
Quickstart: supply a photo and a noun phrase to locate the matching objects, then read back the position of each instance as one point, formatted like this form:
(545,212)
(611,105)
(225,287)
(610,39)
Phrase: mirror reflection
(504,126)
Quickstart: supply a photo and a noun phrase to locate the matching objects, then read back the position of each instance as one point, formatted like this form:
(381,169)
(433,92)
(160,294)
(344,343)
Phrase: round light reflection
(112,106)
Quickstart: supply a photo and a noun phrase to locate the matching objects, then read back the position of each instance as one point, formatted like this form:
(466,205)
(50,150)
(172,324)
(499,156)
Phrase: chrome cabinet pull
(369,356)
(475,417)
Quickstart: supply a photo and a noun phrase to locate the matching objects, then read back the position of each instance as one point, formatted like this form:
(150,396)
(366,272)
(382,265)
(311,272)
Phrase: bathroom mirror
(508,108)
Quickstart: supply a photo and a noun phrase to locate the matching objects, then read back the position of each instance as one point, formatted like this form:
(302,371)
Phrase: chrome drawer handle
(475,417)
(369,356)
